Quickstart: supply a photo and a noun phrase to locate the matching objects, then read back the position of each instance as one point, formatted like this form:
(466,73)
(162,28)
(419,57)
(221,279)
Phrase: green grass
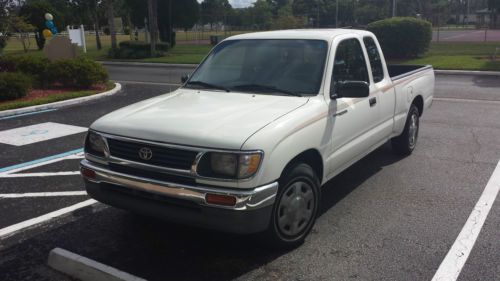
(50,99)
(460,56)
(183,54)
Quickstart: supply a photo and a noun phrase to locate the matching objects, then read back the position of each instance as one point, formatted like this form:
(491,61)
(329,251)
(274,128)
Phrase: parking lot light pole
(393,8)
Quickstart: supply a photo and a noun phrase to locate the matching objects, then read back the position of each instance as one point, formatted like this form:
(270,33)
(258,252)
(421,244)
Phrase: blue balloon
(53,30)
(49,24)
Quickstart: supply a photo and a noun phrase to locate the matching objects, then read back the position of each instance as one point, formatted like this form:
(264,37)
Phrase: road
(385,218)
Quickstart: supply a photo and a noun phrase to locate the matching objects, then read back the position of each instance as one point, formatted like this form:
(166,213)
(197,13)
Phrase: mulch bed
(40,93)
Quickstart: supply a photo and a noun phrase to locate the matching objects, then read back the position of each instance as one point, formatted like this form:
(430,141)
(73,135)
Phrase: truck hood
(198,118)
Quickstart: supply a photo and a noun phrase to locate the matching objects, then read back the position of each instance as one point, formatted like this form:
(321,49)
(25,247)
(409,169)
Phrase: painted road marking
(26,114)
(31,175)
(42,194)
(454,261)
(10,230)
(72,154)
(82,268)
(467,100)
(37,133)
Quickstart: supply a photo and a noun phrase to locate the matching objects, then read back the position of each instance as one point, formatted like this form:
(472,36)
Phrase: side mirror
(184,78)
(351,89)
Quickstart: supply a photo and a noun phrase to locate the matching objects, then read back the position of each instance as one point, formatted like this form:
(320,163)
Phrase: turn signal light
(87,173)
(223,200)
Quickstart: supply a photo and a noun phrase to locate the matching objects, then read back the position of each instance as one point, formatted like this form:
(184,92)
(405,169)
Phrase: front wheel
(405,143)
(296,207)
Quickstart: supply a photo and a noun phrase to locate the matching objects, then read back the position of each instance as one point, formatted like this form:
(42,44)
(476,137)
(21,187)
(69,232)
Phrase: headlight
(229,165)
(224,163)
(95,144)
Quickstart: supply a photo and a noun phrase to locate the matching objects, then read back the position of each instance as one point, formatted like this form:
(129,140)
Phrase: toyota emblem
(145,153)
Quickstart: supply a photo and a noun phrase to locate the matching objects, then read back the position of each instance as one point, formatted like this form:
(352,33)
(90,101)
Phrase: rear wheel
(296,207)
(405,143)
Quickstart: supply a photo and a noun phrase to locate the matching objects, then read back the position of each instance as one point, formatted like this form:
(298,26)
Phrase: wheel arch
(312,157)
(418,101)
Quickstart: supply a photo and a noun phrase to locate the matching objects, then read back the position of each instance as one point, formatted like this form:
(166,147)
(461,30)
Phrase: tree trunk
(111,23)
(97,37)
(153,24)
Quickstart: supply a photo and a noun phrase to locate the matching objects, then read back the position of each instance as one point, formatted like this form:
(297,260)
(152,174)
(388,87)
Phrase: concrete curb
(85,269)
(467,72)
(147,64)
(59,104)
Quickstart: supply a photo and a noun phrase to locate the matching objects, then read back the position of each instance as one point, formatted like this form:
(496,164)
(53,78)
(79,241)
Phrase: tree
(494,6)
(153,24)
(4,23)
(261,14)
(110,13)
(22,28)
(215,11)
(286,19)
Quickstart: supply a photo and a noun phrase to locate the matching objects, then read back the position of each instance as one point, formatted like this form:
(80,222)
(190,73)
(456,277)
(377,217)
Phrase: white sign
(37,133)
(77,36)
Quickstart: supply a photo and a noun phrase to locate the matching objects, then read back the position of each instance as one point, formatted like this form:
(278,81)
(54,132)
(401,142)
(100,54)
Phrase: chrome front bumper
(253,199)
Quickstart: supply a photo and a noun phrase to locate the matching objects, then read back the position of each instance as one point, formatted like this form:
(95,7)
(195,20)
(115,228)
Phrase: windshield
(281,67)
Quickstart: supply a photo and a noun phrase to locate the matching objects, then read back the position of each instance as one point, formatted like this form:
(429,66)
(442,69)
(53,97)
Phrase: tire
(405,143)
(296,207)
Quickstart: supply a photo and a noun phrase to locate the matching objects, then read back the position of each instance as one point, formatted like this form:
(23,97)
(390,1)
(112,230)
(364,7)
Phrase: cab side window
(349,63)
(375,60)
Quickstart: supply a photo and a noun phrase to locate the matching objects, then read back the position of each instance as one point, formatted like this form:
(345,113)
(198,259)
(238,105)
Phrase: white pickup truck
(264,121)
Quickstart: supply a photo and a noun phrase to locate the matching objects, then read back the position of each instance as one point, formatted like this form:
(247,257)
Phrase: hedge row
(13,85)
(402,37)
(74,73)
(19,74)
(137,50)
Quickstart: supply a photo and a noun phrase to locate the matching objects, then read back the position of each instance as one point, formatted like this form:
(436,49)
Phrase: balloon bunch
(51,28)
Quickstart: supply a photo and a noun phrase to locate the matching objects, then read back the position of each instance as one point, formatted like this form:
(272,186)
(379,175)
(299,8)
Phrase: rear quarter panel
(407,89)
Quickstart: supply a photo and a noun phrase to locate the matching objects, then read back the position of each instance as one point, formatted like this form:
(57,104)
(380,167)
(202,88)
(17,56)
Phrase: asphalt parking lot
(385,218)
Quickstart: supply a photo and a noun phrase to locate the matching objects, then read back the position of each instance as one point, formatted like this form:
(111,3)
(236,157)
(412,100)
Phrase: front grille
(151,174)
(161,156)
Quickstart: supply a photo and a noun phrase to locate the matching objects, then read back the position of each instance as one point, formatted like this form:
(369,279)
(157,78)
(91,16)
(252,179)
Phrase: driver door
(351,120)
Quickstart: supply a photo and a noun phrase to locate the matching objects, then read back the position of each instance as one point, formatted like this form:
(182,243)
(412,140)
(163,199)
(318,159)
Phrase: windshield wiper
(266,88)
(208,85)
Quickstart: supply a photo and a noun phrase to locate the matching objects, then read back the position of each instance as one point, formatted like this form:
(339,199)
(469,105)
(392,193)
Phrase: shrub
(402,37)
(36,67)
(13,85)
(7,65)
(80,73)
(137,50)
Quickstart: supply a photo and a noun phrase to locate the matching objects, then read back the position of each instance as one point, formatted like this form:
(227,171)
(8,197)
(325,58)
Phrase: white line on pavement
(42,194)
(454,261)
(467,100)
(48,174)
(9,230)
(38,164)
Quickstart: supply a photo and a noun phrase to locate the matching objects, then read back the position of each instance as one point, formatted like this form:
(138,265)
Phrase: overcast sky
(238,3)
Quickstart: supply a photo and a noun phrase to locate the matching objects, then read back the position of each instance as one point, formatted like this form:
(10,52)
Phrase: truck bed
(400,71)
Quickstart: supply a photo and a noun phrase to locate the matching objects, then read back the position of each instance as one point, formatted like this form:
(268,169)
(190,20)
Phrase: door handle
(340,113)
(373,102)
